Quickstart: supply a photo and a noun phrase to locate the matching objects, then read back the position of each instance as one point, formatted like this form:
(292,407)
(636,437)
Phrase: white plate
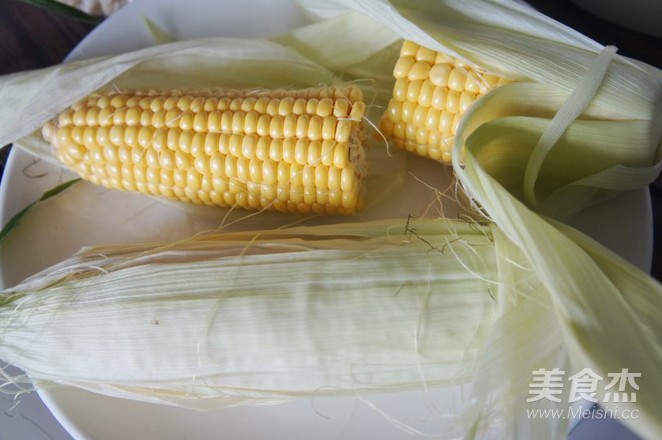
(101,216)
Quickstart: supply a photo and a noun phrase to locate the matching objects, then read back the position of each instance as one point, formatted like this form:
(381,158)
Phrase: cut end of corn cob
(298,151)
(431,93)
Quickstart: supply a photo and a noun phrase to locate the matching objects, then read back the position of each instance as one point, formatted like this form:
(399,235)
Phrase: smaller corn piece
(431,93)
(296,151)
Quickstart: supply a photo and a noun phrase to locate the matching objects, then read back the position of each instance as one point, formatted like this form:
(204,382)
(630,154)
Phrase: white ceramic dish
(100,216)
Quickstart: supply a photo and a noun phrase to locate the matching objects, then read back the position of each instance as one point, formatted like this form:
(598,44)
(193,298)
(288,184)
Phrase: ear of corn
(565,289)
(290,151)
(190,324)
(432,90)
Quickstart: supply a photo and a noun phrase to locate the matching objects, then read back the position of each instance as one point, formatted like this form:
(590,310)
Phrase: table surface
(32,38)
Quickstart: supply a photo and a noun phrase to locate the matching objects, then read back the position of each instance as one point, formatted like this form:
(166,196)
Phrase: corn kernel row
(143,125)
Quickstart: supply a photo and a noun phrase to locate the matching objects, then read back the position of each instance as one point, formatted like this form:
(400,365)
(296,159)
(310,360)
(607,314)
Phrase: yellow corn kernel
(255,149)
(403,66)
(419,71)
(432,91)
(409,48)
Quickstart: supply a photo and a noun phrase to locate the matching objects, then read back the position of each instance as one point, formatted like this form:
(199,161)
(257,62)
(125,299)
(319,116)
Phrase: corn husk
(559,293)
(192,324)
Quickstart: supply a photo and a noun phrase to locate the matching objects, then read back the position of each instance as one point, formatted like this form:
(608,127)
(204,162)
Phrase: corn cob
(285,150)
(432,90)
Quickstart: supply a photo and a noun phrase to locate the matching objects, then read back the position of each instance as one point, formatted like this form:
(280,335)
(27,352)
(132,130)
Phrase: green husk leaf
(160,36)
(16,219)
(63,9)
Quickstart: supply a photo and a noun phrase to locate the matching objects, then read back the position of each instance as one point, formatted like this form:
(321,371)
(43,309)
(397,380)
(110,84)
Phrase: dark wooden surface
(32,38)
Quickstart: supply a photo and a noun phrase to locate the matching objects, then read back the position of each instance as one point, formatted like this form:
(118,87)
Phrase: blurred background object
(638,15)
(90,11)
(99,8)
